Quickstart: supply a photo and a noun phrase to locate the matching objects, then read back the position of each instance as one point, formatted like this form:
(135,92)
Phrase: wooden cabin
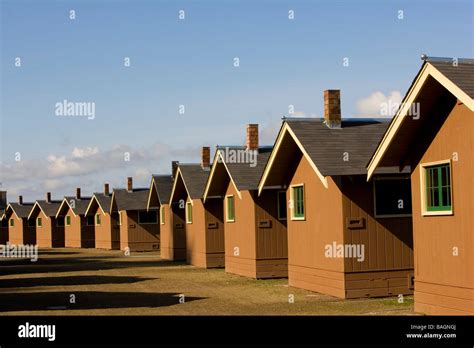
(20,230)
(78,229)
(432,135)
(106,226)
(171,245)
(255,234)
(347,237)
(139,227)
(203,222)
(49,229)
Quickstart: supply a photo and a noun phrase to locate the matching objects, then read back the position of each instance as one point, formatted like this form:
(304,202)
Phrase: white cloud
(379,104)
(86,152)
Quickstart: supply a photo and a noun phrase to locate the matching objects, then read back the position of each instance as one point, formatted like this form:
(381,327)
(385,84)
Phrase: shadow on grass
(71,280)
(43,301)
(24,266)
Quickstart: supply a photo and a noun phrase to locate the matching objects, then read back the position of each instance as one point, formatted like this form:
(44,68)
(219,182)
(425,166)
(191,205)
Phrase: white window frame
(424,210)
(189,204)
(292,206)
(162,215)
(226,208)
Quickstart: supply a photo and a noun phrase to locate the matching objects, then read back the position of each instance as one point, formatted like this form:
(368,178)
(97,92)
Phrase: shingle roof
(246,176)
(22,210)
(136,199)
(104,200)
(164,185)
(80,205)
(195,178)
(49,209)
(461,75)
(327,146)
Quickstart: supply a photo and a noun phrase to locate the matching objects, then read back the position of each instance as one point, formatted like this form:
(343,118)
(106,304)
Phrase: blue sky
(190,62)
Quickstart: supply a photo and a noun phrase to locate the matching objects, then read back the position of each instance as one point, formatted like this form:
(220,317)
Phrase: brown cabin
(49,229)
(204,226)
(347,237)
(20,230)
(432,134)
(139,227)
(105,225)
(78,229)
(3,220)
(254,226)
(158,198)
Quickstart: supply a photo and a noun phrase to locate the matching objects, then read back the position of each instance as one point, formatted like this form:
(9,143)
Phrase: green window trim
(438,188)
(189,213)
(97,219)
(39,222)
(298,211)
(162,215)
(68,220)
(230,208)
(12,223)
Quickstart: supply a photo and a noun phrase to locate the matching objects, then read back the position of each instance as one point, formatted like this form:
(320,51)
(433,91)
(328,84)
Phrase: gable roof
(457,79)
(48,208)
(2,214)
(194,178)
(163,185)
(104,202)
(80,204)
(21,210)
(243,174)
(123,199)
(326,148)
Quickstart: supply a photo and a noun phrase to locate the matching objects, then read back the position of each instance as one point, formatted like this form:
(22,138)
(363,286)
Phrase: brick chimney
(78,193)
(205,157)
(252,137)
(48,197)
(3,199)
(106,189)
(174,168)
(332,108)
(129,184)
(20,199)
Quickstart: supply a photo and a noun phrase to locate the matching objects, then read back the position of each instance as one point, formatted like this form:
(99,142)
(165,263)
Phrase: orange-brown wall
(251,251)
(78,234)
(205,244)
(104,232)
(21,233)
(444,283)
(308,268)
(387,267)
(136,236)
(48,235)
(173,234)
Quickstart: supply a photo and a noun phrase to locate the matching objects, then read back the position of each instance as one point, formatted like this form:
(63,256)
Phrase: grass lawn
(97,282)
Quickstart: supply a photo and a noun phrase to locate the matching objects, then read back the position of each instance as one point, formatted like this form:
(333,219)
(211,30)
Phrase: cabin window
(189,213)
(97,219)
(68,221)
(297,202)
(120,218)
(437,188)
(392,196)
(230,209)
(162,215)
(281,205)
(147,217)
(12,223)
(60,221)
(90,220)
(39,222)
